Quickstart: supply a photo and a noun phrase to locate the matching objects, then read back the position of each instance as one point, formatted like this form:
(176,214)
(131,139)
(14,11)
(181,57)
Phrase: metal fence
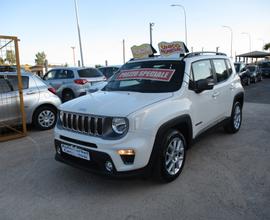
(12,115)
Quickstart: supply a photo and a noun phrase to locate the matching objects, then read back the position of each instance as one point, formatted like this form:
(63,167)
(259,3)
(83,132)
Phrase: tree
(10,57)
(40,58)
(2,61)
(266,46)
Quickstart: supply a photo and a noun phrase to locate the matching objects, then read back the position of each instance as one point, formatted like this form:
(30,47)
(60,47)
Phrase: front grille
(86,124)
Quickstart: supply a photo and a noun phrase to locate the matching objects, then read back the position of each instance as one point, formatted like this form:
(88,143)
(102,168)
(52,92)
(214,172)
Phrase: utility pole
(73,53)
(124,52)
(79,32)
(151,24)
(181,6)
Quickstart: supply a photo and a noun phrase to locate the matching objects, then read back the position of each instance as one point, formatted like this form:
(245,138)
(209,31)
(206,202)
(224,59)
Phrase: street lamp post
(151,25)
(79,33)
(229,28)
(181,6)
(249,37)
(124,52)
(73,53)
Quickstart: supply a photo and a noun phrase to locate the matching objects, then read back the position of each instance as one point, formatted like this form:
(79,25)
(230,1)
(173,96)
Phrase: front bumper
(101,150)
(96,164)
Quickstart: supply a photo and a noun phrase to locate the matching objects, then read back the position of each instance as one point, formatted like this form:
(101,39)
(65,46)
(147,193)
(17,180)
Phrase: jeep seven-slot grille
(86,124)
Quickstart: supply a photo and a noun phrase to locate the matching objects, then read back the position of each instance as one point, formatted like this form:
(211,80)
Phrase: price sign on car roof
(172,49)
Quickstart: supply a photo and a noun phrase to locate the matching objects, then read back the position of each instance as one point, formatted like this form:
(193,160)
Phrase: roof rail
(204,53)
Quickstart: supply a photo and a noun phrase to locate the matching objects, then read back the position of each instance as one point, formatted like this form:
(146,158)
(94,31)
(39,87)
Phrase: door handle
(215,94)
(30,92)
(232,87)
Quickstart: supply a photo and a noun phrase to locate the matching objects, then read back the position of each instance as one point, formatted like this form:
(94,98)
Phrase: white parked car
(147,116)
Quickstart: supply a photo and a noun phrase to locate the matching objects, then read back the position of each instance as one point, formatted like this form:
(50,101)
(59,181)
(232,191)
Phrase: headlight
(119,125)
(60,115)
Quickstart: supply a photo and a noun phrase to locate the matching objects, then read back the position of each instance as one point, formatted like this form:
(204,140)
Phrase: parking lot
(225,177)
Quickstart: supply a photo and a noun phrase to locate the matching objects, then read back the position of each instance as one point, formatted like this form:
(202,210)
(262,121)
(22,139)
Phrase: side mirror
(204,84)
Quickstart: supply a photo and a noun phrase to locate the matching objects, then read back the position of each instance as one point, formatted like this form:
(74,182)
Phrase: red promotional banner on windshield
(164,75)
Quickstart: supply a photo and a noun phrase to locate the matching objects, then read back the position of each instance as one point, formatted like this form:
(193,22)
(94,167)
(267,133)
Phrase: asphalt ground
(225,177)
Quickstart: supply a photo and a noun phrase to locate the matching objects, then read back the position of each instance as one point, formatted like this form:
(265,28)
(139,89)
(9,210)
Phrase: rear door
(14,109)
(223,88)
(5,101)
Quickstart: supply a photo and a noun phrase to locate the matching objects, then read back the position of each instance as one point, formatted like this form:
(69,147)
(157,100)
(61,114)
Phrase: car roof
(103,67)
(15,73)
(71,68)
(195,56)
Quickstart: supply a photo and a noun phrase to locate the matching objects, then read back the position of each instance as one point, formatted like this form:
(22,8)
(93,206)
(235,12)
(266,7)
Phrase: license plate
(75,151)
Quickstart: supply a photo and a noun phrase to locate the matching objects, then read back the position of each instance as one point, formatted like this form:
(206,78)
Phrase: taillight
(52,90)
(80,81)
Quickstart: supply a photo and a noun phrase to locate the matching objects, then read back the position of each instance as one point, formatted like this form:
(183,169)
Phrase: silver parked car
(40,102)
(71,82)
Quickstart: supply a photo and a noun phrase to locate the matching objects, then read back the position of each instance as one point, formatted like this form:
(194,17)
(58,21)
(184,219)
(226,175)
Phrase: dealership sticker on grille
(75,151)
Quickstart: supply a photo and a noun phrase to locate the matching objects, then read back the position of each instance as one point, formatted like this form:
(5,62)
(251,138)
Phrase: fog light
(126,152)
(127,156)
(109,166)
(58,150)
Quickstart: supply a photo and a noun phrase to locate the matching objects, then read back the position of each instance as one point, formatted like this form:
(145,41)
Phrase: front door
(203,106)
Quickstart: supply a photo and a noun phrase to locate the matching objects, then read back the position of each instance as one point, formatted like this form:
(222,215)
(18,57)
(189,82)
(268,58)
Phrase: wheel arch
(66,90)
(240,98)
(40,106)
(182,123)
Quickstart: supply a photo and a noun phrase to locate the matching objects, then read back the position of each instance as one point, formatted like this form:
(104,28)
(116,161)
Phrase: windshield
(148,77)
(237,67)
(265,65)
(89,72)
(251,68)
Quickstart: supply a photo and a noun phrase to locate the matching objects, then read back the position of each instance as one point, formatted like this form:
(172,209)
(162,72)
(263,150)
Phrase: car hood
(113,103)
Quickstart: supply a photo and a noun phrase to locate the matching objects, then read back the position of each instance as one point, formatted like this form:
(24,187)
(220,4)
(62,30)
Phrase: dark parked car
(265,68)
(108,71)
(243,72)
(255,73)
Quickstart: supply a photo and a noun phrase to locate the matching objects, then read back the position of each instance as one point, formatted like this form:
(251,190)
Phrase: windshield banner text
(164,75)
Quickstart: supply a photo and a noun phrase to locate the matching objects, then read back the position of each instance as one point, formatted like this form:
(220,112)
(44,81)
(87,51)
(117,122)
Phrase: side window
(109,72)
(221,70)
(202,70)
(4,87)
(13,81)
(50,75)
(64,74)
(229,66)
(70,74)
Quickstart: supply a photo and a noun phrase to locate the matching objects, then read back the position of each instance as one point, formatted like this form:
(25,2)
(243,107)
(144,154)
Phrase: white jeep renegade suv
(145,118)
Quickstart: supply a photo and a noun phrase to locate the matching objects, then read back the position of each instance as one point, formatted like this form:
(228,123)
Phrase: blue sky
(50,26)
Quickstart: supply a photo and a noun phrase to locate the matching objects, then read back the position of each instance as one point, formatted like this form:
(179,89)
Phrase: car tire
(171,156)
(67,95)
(255,80)
(45,117)
(248,82)
(235,121)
